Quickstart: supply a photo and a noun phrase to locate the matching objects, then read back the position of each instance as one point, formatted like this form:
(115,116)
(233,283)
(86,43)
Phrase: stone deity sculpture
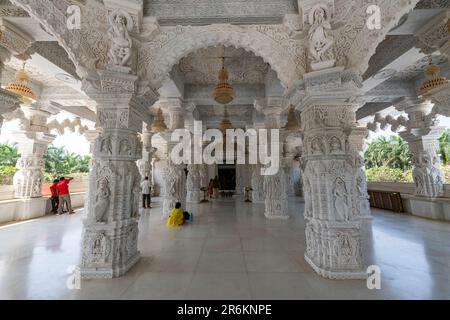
(121,24)
(320,42)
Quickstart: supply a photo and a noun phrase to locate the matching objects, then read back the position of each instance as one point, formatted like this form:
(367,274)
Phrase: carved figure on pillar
(121,24)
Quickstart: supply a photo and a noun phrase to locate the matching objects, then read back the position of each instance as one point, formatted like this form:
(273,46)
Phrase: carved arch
(87,48)
(286,56)
(355,43)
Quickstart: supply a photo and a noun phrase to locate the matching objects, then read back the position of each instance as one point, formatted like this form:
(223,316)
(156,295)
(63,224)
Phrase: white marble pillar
(110,230)
(145,164)
(333,223)
(32,140)
(174,188)
(275,186)
(194,194)
(422,134)
(258,194)
(174,175)
(428,176)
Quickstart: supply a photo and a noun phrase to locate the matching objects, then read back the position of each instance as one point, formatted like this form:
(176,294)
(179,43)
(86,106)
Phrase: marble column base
(336,275)
(110,272)
(194,196)
(334,249)
(276,209)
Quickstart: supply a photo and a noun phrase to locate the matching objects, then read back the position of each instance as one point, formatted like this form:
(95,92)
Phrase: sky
(73,142)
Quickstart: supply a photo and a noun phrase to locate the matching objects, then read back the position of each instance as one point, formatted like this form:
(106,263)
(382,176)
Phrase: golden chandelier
(159,125)
(433,81)
(21,88)
(223,92)
(226,123)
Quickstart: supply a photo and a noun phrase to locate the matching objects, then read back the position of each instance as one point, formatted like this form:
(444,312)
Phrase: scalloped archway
(286,57)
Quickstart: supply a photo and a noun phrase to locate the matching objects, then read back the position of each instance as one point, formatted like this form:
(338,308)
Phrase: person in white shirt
(146,188)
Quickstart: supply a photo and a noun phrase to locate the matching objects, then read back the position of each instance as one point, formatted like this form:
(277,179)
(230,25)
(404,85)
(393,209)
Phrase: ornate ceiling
(202,66)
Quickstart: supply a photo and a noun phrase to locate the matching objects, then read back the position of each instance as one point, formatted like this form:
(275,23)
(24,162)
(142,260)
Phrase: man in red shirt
(64,195)
(55,196)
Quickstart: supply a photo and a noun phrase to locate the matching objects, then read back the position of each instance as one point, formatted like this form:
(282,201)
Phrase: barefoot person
(146,190)
(55,196)
(176,217)
(64,195)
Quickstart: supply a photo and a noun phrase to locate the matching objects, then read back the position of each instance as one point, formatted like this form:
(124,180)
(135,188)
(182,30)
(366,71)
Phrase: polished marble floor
(230,252)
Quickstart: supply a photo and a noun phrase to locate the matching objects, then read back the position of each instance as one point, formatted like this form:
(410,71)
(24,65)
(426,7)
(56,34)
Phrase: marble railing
(401,187)
(77,186)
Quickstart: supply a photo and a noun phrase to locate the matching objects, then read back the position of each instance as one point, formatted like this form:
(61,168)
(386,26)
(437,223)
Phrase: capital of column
(174,107)
(272,108)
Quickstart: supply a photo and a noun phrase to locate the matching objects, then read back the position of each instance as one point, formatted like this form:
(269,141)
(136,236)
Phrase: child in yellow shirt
(176,218)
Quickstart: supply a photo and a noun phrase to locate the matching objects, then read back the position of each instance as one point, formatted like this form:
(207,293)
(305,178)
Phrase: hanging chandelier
(223,92)
(433,80)
(292,122)
(21,88)
(159,125)
(226,123)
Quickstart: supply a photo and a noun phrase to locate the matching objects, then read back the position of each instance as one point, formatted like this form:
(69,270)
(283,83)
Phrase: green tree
(444,147)
(392,153)
(8,155)
(59,162)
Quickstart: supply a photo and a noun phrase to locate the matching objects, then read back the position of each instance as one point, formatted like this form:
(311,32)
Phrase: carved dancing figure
(121,24)
(102,201)
(340,200)
(320,42)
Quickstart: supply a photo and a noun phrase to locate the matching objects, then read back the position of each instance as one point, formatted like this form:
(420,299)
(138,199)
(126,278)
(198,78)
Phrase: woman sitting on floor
(176,217)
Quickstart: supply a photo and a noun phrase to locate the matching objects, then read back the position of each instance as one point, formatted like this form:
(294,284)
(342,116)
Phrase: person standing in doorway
(216,186)
(55,196)
(210,188)
(146,191)
(64,194)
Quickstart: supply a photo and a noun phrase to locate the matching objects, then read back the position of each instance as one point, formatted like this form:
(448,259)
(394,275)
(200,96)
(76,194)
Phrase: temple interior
(309,141)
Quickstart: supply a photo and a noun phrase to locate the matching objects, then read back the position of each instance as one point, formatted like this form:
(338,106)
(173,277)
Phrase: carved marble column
(275,186)
(258,194)
(110,230)
(194,194)
(145,164)
(33,140)
(333,223)
(428,176)
(174,174)
(174,187)
(276,198)
(422,134)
